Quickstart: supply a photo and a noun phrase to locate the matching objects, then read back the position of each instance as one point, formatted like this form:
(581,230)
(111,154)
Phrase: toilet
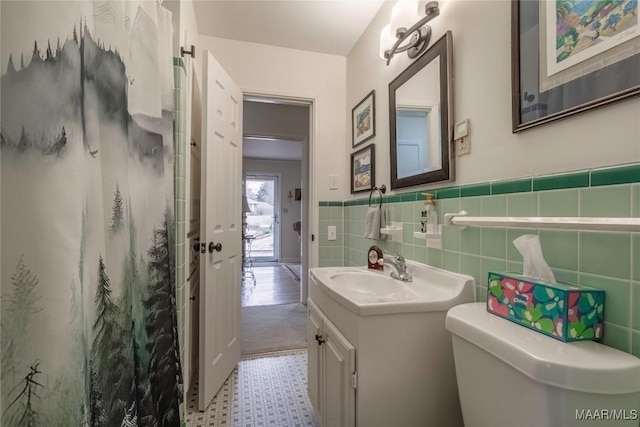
(509,375)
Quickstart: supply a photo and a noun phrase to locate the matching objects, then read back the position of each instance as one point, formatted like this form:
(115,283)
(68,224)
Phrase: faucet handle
(396,257)
(389,254)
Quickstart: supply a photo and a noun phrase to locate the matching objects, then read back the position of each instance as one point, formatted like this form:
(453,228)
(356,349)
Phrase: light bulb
(387,40)
(404,14)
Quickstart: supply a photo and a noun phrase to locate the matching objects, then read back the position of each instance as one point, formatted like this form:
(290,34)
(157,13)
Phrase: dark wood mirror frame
(442,48)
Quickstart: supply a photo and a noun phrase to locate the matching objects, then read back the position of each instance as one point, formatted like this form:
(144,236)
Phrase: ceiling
(325,26)
(273,128)
(271,149)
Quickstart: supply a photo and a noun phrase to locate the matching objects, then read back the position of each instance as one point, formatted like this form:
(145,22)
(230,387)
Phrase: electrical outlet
(331,232)
(463,146)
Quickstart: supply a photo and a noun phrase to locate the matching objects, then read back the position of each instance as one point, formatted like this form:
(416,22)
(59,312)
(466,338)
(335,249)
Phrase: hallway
(273,285)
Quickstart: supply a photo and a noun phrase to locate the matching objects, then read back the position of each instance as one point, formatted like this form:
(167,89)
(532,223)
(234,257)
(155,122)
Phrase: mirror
(420,119)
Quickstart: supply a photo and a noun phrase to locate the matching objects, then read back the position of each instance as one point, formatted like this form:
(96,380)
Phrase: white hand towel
(375,219)
(383,217)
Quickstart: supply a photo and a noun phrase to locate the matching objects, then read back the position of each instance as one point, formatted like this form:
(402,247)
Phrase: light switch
(333,182)
(331,231)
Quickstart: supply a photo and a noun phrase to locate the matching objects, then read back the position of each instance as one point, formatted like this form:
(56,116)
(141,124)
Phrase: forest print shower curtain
(88,311)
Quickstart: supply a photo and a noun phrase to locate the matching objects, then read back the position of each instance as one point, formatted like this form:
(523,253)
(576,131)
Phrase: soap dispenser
(429,215)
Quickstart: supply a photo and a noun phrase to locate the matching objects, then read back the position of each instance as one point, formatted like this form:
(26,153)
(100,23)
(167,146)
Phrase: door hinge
(354,380)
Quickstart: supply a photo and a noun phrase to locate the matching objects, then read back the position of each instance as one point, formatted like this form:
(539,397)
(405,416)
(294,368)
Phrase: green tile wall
(179,174)
(610,261)
(332,252)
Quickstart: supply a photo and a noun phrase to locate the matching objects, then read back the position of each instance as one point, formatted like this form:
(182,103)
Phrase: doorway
(278,139)
(299,142)
(263,222)
(276,134)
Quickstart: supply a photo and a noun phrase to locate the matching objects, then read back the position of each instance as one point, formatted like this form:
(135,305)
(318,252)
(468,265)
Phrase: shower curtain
(88,309)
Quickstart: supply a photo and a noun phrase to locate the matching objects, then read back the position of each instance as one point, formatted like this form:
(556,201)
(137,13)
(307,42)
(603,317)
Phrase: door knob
(196,246)
(215,247)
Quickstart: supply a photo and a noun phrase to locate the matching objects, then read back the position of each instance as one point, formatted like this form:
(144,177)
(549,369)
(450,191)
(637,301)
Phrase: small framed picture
(363,118)
(298,194)
(363,169)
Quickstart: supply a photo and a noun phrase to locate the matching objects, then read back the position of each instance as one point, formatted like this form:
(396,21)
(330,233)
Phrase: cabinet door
(338,368)
(314,327)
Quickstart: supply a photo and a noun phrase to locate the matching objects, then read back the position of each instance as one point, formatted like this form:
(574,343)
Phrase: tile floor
(264,390)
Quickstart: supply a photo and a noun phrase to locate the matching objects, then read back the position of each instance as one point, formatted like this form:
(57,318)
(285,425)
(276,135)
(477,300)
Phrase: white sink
(370,286)
(367,292)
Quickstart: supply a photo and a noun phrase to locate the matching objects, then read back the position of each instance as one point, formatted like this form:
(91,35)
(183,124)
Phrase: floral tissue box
(562,311)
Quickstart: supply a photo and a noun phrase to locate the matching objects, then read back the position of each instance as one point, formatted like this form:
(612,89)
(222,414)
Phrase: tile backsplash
(180,144)
(609,261)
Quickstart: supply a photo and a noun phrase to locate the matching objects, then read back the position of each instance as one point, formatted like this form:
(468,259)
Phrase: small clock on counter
(375,260)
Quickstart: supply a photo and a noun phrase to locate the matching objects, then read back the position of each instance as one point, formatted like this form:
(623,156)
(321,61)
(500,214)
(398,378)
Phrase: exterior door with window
(263,220)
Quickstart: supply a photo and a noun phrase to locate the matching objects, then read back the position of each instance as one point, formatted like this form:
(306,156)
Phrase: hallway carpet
(267,328)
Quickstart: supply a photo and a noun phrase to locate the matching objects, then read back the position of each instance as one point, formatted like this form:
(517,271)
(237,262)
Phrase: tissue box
(562,311)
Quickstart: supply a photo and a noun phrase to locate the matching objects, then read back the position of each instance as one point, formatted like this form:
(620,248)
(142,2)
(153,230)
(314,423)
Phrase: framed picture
(363,169)
(298,194)
(568,57)
(363,120)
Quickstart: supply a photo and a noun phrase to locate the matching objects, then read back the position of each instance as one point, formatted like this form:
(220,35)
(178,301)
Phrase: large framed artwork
(363,116)
(570,56)
(363,169)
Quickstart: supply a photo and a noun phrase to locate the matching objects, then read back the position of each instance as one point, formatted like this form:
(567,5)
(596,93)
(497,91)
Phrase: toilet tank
(510,376)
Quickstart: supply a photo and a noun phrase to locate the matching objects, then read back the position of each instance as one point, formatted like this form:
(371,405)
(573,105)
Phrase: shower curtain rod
(463,220)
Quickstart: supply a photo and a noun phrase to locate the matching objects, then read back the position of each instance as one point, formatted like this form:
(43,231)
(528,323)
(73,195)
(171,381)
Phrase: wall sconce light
(416,37)
(290,196)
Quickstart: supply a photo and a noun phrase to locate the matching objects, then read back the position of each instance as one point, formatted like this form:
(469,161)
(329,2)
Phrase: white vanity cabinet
(331,371)
(378,352)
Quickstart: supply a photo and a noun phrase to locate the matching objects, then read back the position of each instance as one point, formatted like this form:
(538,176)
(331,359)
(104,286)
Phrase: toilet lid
(582,366)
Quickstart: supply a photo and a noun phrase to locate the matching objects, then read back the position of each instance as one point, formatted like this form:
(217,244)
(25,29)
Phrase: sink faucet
(397,262)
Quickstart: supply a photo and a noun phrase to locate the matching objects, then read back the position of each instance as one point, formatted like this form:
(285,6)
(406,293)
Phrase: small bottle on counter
(429,215)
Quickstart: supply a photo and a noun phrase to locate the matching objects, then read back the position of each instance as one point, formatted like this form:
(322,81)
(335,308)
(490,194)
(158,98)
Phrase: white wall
(482,92)
(263,69)
(290,179)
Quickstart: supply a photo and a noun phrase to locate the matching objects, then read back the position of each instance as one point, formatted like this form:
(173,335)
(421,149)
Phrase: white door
(220,229)
(339,378)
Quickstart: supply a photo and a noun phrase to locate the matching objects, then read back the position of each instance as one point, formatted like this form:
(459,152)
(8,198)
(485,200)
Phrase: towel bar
(462,220)
(381,190)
